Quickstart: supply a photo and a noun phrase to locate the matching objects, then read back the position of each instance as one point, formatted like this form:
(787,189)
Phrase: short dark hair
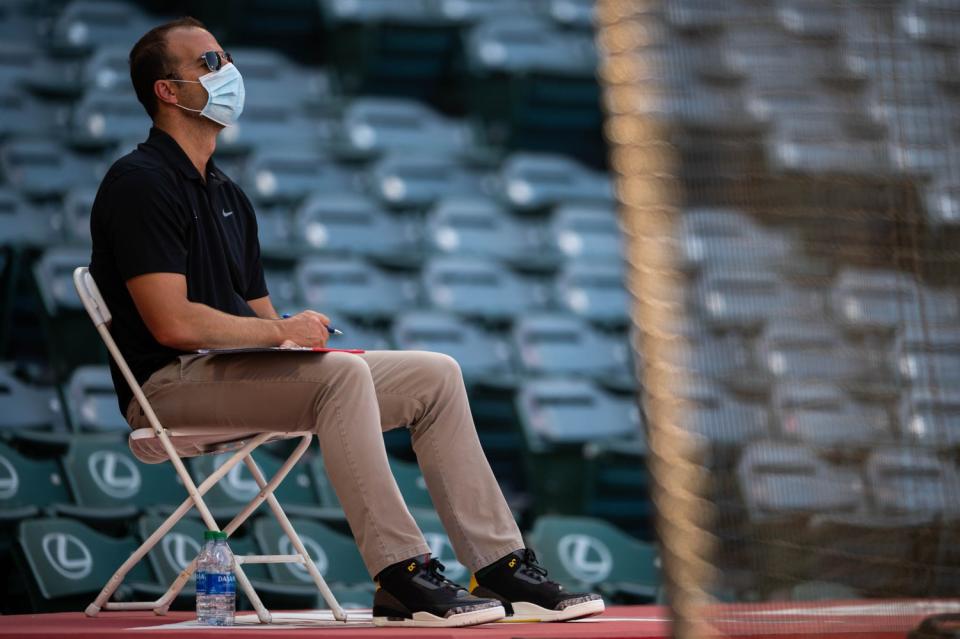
(150,62)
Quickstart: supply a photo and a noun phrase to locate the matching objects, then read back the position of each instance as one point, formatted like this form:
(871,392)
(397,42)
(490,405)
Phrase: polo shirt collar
(171,152)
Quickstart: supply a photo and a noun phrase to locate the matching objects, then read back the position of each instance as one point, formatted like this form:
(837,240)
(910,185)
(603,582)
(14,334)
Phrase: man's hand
(308,328)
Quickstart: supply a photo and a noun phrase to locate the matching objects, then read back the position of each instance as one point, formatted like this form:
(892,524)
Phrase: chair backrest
(91,297)
(29,484)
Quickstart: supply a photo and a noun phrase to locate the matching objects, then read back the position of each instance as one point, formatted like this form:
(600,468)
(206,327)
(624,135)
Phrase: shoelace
(432,574)
(531,567)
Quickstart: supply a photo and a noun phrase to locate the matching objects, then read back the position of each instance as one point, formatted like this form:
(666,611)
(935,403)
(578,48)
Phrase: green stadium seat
(558,417)
(288,175)
(478,288)
(71,340)
(99,121)
(484,358)
(594,291)
(417,180)
(530,181)
(440,547)
(931,417)
(347,223)
(588,554)
(83,24)
(23,226)
(110,487)
(299,494)
(169,557)
(64,563)
(42,168)
(352,287)
(335,555)
(26,406)
(29,485)
(372,126)
(586,231)
(92,401)
(478,226)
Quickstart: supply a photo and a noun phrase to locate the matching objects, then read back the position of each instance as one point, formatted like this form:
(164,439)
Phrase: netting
(788,177)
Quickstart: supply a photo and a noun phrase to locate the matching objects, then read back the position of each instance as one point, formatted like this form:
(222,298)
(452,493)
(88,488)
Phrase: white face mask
(225,95)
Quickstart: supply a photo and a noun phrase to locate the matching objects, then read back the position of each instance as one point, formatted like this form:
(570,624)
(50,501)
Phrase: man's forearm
(202,326)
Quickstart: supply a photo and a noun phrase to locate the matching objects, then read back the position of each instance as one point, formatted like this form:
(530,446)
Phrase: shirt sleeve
(149,226)
(256,282)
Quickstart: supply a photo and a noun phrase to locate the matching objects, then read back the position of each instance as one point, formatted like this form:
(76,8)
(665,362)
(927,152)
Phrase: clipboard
(276,349)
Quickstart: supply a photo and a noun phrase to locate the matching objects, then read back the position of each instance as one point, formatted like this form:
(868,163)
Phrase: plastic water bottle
(217,594)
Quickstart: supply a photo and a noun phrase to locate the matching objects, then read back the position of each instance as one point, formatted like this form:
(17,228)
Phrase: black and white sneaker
(521,584)
(415,593)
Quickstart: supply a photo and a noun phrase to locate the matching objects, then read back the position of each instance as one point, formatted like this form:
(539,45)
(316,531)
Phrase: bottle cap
(214,535)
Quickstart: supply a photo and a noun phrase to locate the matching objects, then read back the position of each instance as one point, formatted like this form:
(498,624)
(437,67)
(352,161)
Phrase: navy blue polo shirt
(154,214)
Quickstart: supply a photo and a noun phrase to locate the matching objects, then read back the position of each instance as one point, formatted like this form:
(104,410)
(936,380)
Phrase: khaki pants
(347,400)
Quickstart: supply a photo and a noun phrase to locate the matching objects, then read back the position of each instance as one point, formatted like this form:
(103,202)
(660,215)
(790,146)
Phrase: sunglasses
(215,59)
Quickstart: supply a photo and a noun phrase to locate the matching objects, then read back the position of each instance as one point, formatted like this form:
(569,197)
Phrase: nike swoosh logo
(226,213)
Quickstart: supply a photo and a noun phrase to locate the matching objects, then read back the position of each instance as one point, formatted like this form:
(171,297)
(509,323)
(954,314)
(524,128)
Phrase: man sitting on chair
(176,257)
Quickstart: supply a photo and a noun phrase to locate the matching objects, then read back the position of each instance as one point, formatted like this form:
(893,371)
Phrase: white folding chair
(157,444)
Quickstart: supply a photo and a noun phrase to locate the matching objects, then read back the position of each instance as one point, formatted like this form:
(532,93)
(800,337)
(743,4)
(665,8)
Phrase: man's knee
(444,369)
(348,368)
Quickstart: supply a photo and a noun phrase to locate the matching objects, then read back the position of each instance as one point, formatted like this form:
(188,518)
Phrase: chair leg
(162,605)
(281,516)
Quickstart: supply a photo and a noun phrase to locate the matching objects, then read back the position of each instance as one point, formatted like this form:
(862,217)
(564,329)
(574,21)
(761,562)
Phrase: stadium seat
(881,300)
(819,415)
(440,547)
(530,181)
(346,223)
(928,356)
(941,201)
(929,22)
(68,332)
(83,24)
(286,175)
(723,422)
(818,19)
(727,236)
(477,288)
(910,481)
(380,47)
(572,14)
(617,481)
(589,554)
(99,121)
(17,60)
(92,401)
(412,485)
(558,417)
(64,563)
(561,344)
(484,357)
(299,495)
(275,232)
(26,406)
(23,115)
(594,291)
(31,485)
(798,349)
(467,12)
(586,231)
(783,481)
(110,487)
(77,204)
(479,226)
(274,128)
(738,297)
(335,555)
(692,15)
(42,168)
(179,547)
(352,287)
(372,126)
(417,180)
(931,416)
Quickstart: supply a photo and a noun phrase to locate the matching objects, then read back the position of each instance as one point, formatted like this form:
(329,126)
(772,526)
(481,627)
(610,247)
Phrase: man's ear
(164,92)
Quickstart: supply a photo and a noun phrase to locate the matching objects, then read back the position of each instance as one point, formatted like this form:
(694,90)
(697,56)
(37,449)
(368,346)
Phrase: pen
(330,329)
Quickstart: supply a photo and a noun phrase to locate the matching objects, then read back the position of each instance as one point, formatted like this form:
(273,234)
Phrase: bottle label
(221,583)
(201,583)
